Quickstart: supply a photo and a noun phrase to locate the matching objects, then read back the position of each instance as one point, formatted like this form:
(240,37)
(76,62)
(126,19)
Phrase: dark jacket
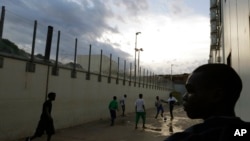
(215,129)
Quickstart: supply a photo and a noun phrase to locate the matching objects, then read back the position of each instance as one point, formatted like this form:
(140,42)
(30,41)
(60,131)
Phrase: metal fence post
(130,73)
(31,66)
(124,73)
(88,73)
(48,43)
(2,22)
(100,71)
(73,73)
(117,77)
(55,70)
(110,66)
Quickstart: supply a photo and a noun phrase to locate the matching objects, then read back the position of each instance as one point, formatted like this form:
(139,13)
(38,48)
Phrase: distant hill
(9,47)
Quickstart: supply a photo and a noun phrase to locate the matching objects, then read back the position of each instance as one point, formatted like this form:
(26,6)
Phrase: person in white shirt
(122,102)
(140,111)
(171,100)
(159,107)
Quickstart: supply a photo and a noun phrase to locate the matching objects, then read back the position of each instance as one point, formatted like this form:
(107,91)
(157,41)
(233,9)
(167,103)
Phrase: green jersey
(113,105)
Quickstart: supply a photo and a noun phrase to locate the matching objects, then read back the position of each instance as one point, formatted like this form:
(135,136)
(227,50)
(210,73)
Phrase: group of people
(140,108)
(212,92)
(159,107)
(113,107)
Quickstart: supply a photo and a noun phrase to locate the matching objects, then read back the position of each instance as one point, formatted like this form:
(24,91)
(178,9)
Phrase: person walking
(140,111)
(113,107)
(159,107)
(122,102)
(171,101)
(46,120)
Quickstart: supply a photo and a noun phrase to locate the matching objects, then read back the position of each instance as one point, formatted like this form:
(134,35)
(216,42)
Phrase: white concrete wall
(78,100)
(83,60)
(236,41)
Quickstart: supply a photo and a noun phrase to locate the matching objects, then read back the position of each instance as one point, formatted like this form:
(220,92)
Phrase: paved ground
(123,130)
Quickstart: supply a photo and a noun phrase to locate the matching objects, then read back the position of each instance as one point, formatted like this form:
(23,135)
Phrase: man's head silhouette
(212,90)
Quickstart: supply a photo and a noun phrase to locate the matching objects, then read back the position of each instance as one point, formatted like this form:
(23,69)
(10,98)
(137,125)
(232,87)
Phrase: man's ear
(218,95)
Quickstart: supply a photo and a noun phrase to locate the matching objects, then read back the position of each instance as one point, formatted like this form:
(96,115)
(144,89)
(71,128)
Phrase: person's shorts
(160,108)
(113,114)
(123,107)
(45,125)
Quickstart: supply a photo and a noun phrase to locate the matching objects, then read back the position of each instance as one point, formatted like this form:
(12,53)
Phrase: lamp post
(137,33)
(139,57)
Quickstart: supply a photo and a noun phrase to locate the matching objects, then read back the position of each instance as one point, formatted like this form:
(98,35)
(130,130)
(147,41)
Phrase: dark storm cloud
(177,8)
(71,17)
(85,20)
(135,6)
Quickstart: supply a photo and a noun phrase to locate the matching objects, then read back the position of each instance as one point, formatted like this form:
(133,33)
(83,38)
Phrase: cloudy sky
(172,31)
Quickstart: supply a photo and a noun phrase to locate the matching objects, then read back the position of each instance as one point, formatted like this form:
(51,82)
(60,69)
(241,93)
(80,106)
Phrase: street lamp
(139,57)
(137,33)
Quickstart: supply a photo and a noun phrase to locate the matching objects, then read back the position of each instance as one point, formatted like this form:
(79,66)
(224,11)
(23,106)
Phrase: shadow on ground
(123,130)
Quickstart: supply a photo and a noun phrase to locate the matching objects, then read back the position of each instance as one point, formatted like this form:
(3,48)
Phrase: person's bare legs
(30,138)
(49,137)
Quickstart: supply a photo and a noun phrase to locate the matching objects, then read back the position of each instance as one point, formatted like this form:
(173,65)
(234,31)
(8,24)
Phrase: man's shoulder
(112,101)
(178,136)
(47,102)
(231,129)
(139,100)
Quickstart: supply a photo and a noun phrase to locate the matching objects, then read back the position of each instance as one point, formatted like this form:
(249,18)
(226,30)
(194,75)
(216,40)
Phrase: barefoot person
(171,102)
(46,120)
(159,107)
(140,111)
(123,105)
(113,107)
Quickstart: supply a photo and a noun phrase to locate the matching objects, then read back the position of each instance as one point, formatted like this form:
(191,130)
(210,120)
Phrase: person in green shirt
(113,107)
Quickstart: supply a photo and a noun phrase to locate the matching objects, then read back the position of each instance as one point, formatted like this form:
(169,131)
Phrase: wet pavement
(124,128)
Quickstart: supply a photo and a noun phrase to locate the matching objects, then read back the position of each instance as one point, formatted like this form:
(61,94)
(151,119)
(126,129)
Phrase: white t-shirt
(170,99)
(139,105)
(122,101)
